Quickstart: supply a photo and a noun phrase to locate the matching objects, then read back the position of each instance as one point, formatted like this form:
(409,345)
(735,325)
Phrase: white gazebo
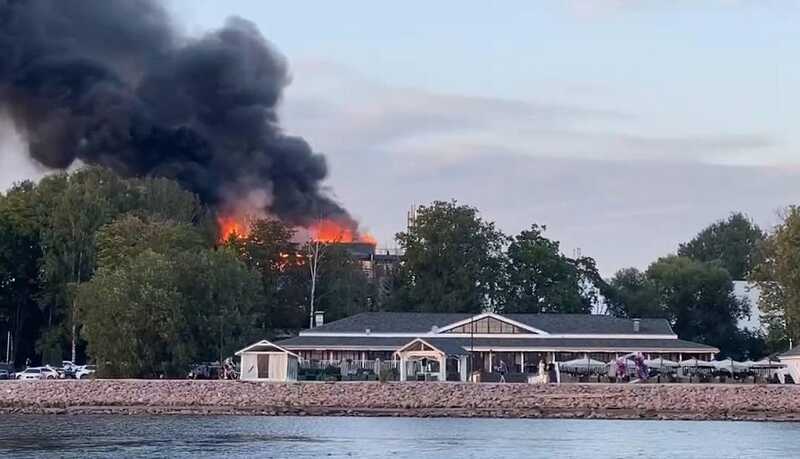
(265,361)
(427,360)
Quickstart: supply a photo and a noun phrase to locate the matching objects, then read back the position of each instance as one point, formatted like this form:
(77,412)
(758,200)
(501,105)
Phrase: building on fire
(455,347)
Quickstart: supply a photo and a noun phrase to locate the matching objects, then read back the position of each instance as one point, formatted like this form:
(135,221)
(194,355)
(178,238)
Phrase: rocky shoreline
(586,401)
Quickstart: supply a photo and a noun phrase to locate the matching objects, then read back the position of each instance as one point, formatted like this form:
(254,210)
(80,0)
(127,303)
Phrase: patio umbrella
(661,363)
(730,365)
(584,363)
(694,363)
(767,363)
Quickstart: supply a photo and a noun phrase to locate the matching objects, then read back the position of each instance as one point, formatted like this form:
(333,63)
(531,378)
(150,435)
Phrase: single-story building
(265,361)
(444,346)
(792,361)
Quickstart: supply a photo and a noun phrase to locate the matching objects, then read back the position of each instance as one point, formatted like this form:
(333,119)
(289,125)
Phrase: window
(488,325)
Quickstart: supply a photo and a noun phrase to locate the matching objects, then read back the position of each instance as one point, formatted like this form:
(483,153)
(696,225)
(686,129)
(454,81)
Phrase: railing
(350,370)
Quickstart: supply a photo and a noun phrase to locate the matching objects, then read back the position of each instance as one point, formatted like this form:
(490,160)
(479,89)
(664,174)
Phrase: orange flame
(231,227)
(331,231)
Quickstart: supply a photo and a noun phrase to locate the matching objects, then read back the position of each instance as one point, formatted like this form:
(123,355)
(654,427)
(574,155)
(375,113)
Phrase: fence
(350,370)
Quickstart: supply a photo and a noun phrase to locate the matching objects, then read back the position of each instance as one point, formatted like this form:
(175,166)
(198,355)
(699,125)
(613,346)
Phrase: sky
(623,126)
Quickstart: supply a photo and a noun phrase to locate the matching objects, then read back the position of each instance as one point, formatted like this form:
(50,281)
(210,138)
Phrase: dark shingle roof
(418,322)
(451,345)
(793,352)
(325,342)
(392,322)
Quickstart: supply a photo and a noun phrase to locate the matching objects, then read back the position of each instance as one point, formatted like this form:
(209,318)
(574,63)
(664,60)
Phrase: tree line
(132,274)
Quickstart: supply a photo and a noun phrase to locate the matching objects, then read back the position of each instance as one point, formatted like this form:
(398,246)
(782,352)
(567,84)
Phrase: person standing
(503,369)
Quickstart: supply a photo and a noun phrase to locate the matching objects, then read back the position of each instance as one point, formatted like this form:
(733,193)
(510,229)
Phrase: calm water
(187,436)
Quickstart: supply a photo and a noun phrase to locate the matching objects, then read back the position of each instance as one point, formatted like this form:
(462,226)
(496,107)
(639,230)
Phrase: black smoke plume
(111,82)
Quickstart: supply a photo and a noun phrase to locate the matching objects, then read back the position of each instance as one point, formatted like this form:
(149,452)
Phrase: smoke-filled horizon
(112,83)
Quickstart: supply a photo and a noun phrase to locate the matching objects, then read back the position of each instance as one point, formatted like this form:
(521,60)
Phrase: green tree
(634,295)
(20,251)
(698,300)
(270,250)
(133,316)
(222,296)
(344,288)
(155,314)
(129,235)
(452,261)
(541,279)
(76,206)
(732,242)
(778,279)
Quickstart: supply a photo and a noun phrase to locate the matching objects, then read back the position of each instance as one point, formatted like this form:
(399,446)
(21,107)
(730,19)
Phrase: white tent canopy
(661,363)
(696,364)
(730,365)
(583,363)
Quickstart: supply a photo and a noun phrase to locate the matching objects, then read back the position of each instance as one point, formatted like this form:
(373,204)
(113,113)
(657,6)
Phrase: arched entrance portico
(425,361)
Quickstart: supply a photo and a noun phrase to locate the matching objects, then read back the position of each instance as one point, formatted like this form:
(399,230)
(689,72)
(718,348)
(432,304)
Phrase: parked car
(30,374)
(7,371)
(85,371)
(205,370)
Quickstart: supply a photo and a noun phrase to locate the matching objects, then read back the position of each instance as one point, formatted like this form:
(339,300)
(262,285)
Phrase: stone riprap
(617,401)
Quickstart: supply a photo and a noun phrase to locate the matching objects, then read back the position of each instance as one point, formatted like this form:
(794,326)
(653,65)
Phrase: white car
(35,373)
(85,371)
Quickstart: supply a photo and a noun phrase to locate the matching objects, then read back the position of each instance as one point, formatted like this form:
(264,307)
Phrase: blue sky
(624,126)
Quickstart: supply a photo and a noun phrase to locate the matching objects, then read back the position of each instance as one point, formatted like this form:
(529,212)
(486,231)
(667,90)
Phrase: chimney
(319,318)
(637,325)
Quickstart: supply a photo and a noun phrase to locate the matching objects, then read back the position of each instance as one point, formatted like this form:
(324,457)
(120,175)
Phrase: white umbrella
(584,363)
(767,363)
(730,365)
(661,363)
(696,363)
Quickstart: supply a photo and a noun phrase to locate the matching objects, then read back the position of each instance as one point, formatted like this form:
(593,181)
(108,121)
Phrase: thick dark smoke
(110,82)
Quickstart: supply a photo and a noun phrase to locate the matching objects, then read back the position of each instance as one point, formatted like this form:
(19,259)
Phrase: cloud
(338,107)
(599,178)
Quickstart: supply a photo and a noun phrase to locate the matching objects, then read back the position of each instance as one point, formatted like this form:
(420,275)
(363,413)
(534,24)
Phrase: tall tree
(77,206)
(699,301)
(452,261)
(343,289)
(733,242)
(133,315)
(778,278)
(269,249)
(129,235)
(20,250)
(634,295)
(156,314)
(541,279)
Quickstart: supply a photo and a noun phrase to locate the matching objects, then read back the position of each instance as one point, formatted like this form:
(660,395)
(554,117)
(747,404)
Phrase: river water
(316,437)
